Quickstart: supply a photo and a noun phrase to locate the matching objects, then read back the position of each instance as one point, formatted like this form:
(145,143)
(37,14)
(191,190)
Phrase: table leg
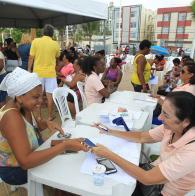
(31,188)
(122,189)
(35,189)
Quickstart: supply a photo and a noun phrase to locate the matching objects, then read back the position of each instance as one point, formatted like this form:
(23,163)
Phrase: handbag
(147,190)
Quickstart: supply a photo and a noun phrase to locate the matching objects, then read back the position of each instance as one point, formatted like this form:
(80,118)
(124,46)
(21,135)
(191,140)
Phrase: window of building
(116,35)
(166,17)
(132,14)
(133,24)
(110,16)
(117,25)
(162,42)
(179,43)
(182,16)
(133,34)
(180,30)
(116,13)
(165,30)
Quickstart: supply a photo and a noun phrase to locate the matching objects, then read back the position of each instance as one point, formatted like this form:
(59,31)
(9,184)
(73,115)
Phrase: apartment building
(133,24)
(175,27)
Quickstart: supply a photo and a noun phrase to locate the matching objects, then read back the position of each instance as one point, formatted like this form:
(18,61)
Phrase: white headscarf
(19,82)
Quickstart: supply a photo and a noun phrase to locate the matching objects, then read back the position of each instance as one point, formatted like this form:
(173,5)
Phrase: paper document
(145,97)
(127,150)
(106,117)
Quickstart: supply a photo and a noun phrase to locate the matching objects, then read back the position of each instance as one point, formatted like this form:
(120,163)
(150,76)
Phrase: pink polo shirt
(93,84)
(176,161)
(67,70)
(187,87)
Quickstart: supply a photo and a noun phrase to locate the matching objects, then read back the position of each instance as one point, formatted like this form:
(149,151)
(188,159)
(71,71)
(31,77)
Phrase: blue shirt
(24,50)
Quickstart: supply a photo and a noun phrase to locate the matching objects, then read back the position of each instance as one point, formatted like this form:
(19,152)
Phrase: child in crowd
(112,74)
(65,68)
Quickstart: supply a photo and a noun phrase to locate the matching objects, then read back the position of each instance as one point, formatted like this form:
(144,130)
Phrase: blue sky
(152,4)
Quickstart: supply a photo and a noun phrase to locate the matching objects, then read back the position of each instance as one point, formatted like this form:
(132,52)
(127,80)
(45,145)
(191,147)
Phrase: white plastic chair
(13,188)
(60,99)
(38,189)
(80,86)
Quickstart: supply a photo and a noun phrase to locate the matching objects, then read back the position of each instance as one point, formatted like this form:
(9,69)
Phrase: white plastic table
(91,115)
(140,101)
(131,98)
(127,99)
(63,172)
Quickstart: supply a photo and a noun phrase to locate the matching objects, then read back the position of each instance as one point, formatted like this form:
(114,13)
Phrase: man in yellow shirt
(44,53)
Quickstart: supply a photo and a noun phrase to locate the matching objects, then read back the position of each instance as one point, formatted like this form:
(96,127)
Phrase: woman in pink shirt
(94,88)
(66,67)
(187,77)
(175,167)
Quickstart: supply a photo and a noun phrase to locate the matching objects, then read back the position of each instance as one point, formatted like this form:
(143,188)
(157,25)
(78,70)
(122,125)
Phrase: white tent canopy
(36,13)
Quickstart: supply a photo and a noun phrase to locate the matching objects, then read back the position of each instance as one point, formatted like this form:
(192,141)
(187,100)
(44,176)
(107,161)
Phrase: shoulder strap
(136,57)
(34,122)
(5,111)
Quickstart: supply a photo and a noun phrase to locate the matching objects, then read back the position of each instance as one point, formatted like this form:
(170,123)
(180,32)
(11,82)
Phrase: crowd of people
(39,67)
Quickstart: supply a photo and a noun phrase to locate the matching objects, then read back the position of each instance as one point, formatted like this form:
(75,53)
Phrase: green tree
(38,32)
(5,32)
(193,8)
(16,34)
(78,36)
(90,29)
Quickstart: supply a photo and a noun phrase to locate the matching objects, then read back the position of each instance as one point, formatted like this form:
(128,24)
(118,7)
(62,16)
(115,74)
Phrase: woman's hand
(158,97)
(155,96)
(105,82)
(76,145)
(101,151)
(110,84)
(101,127)
(53,127)
(144,89)
(63,79)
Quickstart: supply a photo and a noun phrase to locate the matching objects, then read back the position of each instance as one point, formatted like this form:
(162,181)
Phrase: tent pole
(104,35)
(2,37)
(67,36)
(193,49)
(119,21)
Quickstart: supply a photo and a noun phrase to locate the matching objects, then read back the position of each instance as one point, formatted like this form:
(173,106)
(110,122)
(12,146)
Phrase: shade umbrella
(159,50)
